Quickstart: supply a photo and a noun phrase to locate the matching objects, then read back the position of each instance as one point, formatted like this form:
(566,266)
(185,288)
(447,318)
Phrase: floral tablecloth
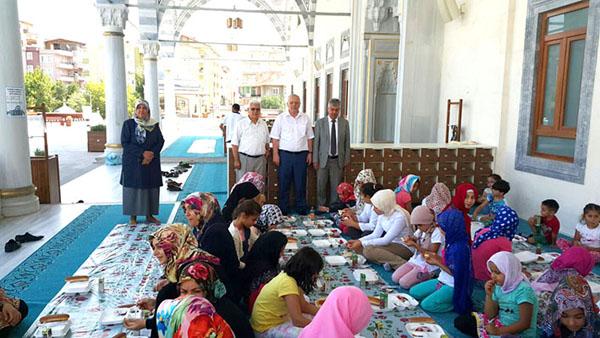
(383,324)
(124,259)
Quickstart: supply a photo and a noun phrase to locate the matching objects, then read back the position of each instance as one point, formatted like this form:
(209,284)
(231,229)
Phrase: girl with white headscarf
(384,245)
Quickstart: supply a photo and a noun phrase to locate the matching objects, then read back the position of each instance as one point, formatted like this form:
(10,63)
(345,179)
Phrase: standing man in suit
(331,152)
(292,136)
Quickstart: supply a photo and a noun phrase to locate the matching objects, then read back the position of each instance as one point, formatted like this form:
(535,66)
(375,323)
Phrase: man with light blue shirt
(292,136)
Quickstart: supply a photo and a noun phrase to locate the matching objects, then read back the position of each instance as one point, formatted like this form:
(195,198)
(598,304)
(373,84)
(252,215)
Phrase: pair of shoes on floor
(185,164)
(171,173)
(15,244)
(173,186)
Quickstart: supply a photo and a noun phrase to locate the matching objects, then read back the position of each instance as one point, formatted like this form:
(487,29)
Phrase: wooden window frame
(564,40)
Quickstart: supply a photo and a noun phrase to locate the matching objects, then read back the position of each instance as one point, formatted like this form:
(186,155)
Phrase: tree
(38,89)
(132,96)
(271,102)
(95,92)
(77,100)
(139,85)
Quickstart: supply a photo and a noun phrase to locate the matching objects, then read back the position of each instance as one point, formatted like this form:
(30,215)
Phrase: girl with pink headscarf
(345,313)
(511,305)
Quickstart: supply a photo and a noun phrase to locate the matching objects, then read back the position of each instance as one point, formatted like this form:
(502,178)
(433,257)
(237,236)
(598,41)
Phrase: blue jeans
(292,166)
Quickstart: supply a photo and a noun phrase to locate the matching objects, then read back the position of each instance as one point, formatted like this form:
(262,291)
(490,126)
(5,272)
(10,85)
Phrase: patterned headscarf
(179,244)
(407,183)
(253,177)
(269,215)
(439,198)
(144,125)
(364,176)
(346,192)
(192,316)
(204,204)
(573,292)
(206,278)
(505,224)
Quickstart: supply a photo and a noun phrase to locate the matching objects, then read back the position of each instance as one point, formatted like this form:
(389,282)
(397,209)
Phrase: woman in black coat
(141,178)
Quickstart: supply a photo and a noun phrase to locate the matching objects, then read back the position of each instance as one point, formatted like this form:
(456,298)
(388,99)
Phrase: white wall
(483,64)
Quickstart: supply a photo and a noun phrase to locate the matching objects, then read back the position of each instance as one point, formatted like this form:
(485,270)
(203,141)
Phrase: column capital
(150,48)
(113,17)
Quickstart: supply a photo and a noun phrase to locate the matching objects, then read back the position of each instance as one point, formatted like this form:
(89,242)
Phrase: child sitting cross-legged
(549,224)
(427,239)
(510,303)
(587,232)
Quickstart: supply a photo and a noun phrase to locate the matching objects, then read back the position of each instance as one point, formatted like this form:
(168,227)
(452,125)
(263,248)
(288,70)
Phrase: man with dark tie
(331,152)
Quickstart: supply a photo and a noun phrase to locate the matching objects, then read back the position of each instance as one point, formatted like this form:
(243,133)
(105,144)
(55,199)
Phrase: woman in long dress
(140,176)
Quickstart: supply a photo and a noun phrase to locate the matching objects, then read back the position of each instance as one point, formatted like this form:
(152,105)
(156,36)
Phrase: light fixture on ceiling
(236,23)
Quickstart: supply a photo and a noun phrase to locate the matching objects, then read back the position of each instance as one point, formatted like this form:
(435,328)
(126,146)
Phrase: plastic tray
(371,275)
(336,260)
(299,232)
(113,316)
(77,287)
(424,330)
(59,329)
(317,232)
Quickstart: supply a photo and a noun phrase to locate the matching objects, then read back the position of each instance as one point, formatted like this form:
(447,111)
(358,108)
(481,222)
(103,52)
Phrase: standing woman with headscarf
(385,245)
(141,179)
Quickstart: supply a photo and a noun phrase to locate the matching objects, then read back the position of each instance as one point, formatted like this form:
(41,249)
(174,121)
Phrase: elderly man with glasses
(250,143)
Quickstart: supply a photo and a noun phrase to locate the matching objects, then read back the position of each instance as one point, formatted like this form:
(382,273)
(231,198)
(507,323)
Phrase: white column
(356,83)
(17,194)
(113,19)
(170,127)
(151,49)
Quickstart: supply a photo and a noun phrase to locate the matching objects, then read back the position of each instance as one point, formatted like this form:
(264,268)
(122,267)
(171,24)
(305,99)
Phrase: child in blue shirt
(510,303)
(493,201)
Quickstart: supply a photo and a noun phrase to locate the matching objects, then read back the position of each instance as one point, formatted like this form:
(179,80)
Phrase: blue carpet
(206,177)
(41,275)
(179,148)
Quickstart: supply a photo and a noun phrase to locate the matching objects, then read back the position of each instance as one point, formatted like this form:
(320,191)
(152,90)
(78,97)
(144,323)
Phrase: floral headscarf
(269,215)
(439,198)
(505,224)
(204,204)
(179,244)
(573,292)
(253,177)
(206,278)
(364,176)
(345,192)
(407,183)
(192,316)
(144,125)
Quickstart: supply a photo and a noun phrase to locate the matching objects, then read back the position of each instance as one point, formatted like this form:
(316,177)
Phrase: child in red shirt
(550,224)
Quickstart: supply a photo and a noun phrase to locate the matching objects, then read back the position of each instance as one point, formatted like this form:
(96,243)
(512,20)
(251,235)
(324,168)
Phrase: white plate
(322,243)
(333,231)
(549,257)
(361,259)
(285,231)
(290,219)
(77,287)
(59,329)
(291,246)
(408,302)
(317,232)
(324,222)
(371,275)
(299,232)
(526,257)
(335,260)
(113,316)
(432,330)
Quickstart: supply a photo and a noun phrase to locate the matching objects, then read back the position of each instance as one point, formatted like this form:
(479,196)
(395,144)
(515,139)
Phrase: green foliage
(95,93)
(271,102)
(139,85)
(39,152)
(38,89)
(77,100)
(132,96)
(98,127)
